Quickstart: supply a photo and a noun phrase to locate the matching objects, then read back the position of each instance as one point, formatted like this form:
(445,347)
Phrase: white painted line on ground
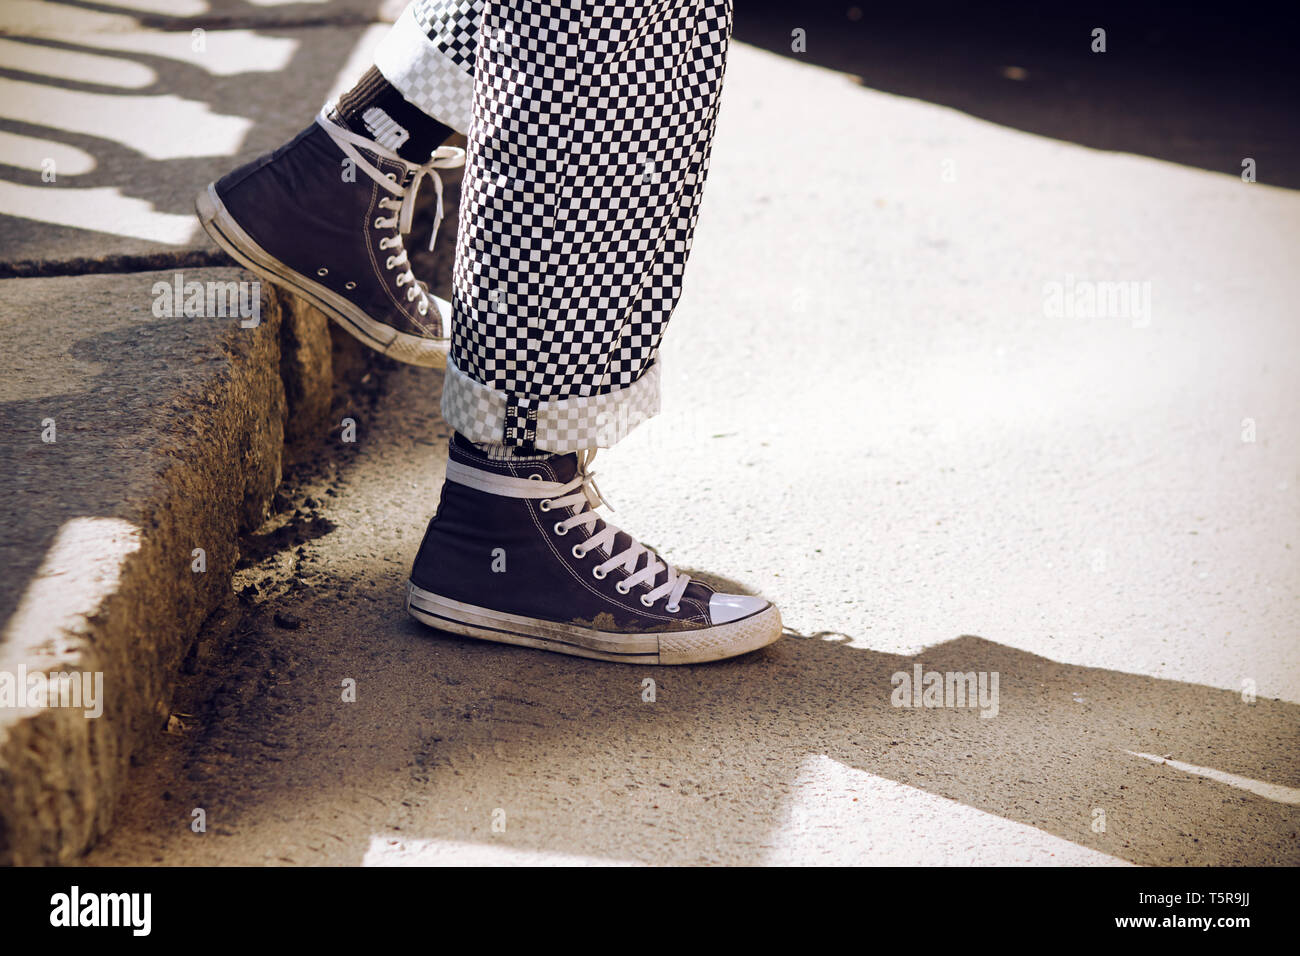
(841,816)
(1269,791)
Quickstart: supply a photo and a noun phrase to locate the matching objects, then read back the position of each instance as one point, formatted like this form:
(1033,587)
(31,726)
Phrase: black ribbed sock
(376,109)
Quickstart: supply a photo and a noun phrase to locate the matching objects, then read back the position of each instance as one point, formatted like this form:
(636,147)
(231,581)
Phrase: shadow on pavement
(583,766)
(1200,87)
(131,124)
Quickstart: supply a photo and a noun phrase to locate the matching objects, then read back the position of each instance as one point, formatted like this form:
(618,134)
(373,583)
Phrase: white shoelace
(583,494)
(403,201)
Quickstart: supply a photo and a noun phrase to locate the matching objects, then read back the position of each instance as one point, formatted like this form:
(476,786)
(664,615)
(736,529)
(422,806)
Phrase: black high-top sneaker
(324,216)
(518,554)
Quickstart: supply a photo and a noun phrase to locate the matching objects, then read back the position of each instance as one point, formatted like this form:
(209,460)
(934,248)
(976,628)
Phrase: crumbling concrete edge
(139,606)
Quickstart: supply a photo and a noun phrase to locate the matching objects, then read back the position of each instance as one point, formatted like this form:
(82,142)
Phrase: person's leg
(587,154)
(588,149)
(326,214)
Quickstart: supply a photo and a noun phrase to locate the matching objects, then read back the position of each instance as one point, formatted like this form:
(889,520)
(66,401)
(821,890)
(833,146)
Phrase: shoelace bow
(444,157)
(583,494)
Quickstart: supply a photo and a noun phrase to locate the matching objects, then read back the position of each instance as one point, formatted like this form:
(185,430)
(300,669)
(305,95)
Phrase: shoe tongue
(623,541)
(565,469)
(564,466)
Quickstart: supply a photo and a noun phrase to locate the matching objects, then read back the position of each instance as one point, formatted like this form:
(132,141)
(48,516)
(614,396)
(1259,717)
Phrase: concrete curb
(180,448)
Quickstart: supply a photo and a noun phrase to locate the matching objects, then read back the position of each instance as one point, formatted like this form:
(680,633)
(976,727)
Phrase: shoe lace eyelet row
(579,552)
(401,180)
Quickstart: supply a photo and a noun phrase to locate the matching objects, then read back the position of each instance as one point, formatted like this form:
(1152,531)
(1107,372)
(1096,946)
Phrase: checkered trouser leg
(589,125)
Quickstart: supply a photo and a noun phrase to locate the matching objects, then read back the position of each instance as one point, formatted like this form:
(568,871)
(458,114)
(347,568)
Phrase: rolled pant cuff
(427,77)
(484,414)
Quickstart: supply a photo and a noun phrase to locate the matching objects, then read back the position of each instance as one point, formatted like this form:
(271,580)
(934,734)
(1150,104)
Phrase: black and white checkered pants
(589,127)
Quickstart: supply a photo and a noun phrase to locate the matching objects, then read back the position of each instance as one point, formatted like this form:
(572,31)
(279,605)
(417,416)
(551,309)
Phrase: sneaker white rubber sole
(668,647)
(402,346)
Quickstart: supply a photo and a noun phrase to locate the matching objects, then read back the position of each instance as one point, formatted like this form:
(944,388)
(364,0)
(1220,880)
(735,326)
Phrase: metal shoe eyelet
(388,263)
(646,602)
(621,587)
(579,552)
(349,285)
(534,477)
(379,222)
(598,574)
(322,271)
(560,529)
(544,504)
(672,608)
(410,294)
